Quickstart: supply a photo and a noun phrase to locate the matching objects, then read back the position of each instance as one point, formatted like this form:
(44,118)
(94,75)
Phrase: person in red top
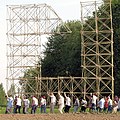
(106,104)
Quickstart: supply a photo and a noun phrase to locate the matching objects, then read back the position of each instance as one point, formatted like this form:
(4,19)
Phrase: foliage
(30,75)
(11,90)
(2,95)
(116,28)
(62,53)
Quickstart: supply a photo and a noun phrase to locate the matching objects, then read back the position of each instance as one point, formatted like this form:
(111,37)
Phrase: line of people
(64,102)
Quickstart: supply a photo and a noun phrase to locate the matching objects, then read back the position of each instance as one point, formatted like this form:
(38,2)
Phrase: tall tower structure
(25,26)
(97,48)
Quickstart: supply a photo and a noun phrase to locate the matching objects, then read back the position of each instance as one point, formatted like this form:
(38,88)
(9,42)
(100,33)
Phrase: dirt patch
(70,116)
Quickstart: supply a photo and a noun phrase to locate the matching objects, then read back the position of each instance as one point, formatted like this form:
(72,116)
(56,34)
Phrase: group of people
(64,102)
(104,104)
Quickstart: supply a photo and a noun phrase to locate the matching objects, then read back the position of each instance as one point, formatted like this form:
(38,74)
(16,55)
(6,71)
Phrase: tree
(11,90)
(2,95)
(62,53)
(116,28)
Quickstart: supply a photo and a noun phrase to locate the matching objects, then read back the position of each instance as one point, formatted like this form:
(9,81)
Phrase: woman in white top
(18,104)
(26,103)
(68,103)
(34,105)
(60,103)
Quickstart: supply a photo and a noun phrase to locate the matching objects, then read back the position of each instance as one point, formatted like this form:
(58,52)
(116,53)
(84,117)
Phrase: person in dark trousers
(83,105)
(67,104)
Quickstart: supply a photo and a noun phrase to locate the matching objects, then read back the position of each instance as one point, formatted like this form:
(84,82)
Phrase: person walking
(106,104)
(110,104)
(76,104)
(101,104)
(26,104)
(94,102)
(83,105)
(9,104)
(68,103)
(52,102)
(34,105)
(60,103)
(43,104)
(18,104)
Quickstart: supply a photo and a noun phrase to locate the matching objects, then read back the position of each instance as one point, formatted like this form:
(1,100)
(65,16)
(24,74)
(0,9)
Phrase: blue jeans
(76,108)
(93,107)
(34,107)
(110,108)
(43,109)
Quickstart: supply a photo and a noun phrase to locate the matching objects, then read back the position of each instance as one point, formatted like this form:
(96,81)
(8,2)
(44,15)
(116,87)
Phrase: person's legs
(61,108)
(65,110)
(69,108)
(24,110)
(110,108)
(52,108)
(44,108)
(33,109)
(41,109)
(75,109)
(19,107)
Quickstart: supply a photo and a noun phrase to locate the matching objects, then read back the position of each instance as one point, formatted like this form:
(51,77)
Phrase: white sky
(66,9)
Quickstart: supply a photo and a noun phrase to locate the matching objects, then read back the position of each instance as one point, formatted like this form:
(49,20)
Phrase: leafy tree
(11,90)
(116,28)
(30,75)
(62,53)
(2,95)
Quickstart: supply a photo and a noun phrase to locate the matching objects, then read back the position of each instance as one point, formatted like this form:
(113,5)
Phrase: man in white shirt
(60,103)
(52,102)
(68,103)
(34,104)
(110,103)
(94,102)
(101,104)
(83,105)
(43,104)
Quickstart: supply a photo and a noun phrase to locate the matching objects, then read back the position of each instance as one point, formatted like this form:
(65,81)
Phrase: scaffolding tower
(97,48)
(25,26)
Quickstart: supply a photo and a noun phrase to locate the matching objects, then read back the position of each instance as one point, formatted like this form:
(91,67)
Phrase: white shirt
(26,102)
(9,101)
(53,99)
(61,100)
(83,103)
(119,104)
(77,103)
(35,101)
(19,101)
(101,103)
(68,101)
(109,101)
(94,99)
(43,101)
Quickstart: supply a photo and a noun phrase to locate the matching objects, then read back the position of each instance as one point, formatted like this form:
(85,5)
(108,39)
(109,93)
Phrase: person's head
(44,97)
(51,93)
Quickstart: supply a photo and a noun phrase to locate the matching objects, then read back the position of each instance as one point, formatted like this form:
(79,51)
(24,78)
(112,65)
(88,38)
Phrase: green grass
(2,110)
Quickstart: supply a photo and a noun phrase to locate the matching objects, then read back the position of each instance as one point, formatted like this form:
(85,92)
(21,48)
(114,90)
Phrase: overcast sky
(66,9)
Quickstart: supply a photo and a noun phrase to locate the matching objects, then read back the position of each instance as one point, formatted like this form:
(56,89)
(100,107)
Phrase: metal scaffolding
(25,26)
(97,48)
